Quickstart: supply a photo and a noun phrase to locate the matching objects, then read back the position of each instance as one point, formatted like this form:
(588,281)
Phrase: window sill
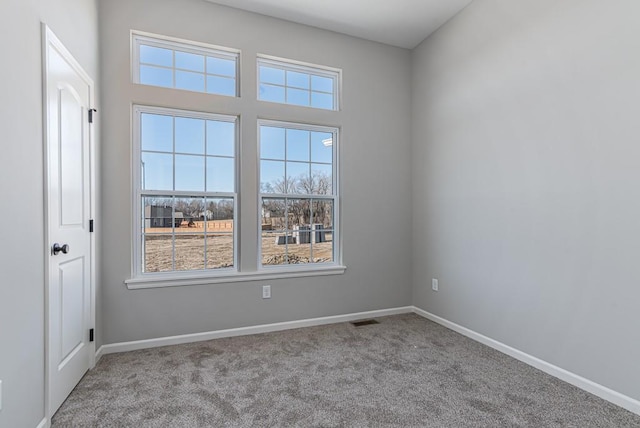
(265,274)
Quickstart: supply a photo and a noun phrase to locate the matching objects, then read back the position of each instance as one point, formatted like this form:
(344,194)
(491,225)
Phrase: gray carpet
(404,372)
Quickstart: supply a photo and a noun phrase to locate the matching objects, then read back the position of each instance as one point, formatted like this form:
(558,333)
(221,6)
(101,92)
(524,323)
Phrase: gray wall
(21,186)
(374,161)
(525,170)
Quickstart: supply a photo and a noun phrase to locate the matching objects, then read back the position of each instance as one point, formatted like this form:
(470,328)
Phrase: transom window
(181,65)
(186,190)
(298,193)
(290,83)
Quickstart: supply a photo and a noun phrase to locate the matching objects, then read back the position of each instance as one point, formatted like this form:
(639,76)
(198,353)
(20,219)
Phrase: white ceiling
(403,23)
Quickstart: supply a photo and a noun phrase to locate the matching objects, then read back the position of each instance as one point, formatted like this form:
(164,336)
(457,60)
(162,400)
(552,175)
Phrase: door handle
(57,248)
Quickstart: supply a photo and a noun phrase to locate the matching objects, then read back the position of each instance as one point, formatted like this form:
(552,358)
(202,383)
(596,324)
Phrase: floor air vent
(364,322)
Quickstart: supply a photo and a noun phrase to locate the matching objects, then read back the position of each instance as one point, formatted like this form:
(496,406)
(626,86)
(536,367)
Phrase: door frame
(49,39)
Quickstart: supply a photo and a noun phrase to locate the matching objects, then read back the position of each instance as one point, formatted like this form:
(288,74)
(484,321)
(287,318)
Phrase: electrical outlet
(266,291)
(434,284)
(0,395)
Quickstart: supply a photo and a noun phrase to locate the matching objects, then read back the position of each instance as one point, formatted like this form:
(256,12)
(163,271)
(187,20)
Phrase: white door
(67,144)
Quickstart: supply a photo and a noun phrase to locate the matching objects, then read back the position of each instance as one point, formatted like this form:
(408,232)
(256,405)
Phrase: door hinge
(91,335)
(91,226)
(91,112)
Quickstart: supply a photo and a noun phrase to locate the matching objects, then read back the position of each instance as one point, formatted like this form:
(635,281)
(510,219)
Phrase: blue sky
(203,73)
(157,69)
(192,137)
(205,149)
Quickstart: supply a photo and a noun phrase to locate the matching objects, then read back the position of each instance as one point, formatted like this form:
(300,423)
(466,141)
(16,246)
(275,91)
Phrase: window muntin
(186,190)
(290,83)
(190,66)
(298,194)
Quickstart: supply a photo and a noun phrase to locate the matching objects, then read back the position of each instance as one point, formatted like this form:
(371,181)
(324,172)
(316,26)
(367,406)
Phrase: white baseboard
(601,391)
(44,423)
(99,353)
(243,331)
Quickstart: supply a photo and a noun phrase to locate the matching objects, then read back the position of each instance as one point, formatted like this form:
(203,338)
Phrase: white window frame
(334,197)
(188,46)
(138,193)
(303,67)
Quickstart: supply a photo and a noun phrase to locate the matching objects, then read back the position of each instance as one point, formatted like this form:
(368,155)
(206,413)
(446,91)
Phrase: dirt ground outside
(190,248)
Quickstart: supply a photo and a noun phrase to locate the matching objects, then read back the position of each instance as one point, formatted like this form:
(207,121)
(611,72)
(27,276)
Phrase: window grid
(207,75)
(287,88)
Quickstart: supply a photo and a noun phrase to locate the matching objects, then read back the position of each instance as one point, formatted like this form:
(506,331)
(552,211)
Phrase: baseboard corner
(617,398)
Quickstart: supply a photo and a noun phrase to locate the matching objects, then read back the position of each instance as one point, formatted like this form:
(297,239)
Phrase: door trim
(49,39)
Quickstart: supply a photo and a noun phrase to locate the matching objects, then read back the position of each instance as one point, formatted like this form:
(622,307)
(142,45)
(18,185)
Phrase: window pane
(298,80)
(157,171)
(156,132)
(224,67)
(157,215)
(189,135)
(298,213)
(298,174)
(218,218)
(218,215)
(156,76)
(221,85)
(298,145)
(221,138)
(189,252)
(187,212)
(272,93)
(320,100)
(322,147)
(272,143)
(219,250)
(190,81)
(190,173)
(274,247)
(220,174)
(299,253)
(273,214)
(272,177)
(322,213)
(324,84)
(322,179)
(189,61)
(158,253)
(298,97)
(156,56)
(271,75)
(322,246)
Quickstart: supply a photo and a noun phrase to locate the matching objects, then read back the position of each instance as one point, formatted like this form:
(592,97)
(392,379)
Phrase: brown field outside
(190,248)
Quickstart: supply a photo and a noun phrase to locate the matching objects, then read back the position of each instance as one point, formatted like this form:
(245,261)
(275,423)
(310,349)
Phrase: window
(189,198)
(189,66)
(185,171)
(302,85)
(298,196)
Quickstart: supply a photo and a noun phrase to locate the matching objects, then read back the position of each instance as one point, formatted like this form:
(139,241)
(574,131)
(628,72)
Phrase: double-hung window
(298,193)
(185,170)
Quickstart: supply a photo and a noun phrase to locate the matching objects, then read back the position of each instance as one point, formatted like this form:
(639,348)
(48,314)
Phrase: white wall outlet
(434,284)
(0,395)
(266,291)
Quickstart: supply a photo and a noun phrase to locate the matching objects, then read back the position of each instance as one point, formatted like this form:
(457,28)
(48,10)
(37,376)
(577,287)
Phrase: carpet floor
(405,371)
